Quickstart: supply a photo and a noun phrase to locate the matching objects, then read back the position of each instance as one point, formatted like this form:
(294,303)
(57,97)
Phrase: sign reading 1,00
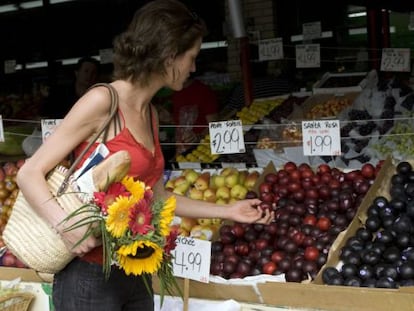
(226,137)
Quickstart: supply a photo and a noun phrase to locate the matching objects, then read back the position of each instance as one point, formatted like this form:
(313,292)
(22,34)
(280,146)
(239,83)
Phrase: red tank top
(145,165)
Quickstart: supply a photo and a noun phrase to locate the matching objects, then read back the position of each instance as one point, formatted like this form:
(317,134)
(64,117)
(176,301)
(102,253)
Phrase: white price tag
(48,127)
(395,60)
(312,30)
(106,56)
(270,49)
(226,137)
(321,137)
(1,129)
(10,66)
(308,56)
(192,259)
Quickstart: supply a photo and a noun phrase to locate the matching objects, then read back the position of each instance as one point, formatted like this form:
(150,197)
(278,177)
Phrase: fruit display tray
(340,83)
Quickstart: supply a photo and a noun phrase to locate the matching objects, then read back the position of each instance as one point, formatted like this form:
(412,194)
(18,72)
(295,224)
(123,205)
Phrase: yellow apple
(191,175)
(221,201)
(238,192)
(202,232)
(204,221)
(195,194)
(232,179)
(203,181)
(218,181)
(169,185)
(242,176)
(182,186)
(223,192)
(251,179)
(209,195)
(187,223)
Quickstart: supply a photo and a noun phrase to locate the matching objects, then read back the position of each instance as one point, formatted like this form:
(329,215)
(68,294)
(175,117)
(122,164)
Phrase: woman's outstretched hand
(248,211)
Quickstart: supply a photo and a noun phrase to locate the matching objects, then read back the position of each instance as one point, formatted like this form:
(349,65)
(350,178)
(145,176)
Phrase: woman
(157,50)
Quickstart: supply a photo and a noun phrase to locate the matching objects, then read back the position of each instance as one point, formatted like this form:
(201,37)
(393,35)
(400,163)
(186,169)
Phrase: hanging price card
(48,127)
(312,30)
(270,49)
(10,66)
(1,129)
(395,60)
(226,137)
(321,137)
(192,259)
(308,56)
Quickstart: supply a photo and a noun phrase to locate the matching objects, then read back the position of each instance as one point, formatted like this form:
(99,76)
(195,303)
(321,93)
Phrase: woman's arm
(82,121)
(246,211)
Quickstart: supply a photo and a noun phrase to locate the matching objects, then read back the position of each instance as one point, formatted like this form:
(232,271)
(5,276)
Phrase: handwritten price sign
(270,49)
(48,127)
(192,259)
(321,138)
(226,137)
(308,56)
(395,60)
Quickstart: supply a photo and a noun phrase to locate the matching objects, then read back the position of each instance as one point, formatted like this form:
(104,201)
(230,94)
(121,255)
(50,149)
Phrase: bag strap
(103,130)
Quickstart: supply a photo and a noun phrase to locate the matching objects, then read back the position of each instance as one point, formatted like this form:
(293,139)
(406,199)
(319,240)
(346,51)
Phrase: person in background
(158,49)
(62,97)
(193,108)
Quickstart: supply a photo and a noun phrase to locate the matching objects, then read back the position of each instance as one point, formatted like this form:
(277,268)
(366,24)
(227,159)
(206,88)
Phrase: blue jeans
(81,286)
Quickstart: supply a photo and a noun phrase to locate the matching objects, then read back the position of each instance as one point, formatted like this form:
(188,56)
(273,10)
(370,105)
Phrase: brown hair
(159,30)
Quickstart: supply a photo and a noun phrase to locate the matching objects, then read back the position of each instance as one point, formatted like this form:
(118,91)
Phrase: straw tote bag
(29,237)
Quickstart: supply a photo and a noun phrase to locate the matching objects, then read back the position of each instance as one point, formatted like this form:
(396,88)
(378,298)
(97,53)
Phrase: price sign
(106,56)
(308,56)
(48,127)
(226,137)
(395,60)
(411,22)
(10,66)
(192,259)
(321,137)
(270,49)
(311,30)
(1,129)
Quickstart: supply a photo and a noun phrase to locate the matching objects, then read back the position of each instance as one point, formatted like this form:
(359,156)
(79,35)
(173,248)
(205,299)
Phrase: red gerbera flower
(140,217)
(171,242)
(104,199)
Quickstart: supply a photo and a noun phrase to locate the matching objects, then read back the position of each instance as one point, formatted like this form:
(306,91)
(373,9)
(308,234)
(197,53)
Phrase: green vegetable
(13,139)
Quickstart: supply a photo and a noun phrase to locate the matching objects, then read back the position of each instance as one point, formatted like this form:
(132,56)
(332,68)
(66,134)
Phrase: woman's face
(181,67)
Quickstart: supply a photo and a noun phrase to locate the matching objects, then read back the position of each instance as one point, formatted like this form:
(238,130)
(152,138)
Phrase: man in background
(62,97)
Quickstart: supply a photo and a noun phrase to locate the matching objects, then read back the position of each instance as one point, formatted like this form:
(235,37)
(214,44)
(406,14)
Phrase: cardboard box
(313,295)
(316,295)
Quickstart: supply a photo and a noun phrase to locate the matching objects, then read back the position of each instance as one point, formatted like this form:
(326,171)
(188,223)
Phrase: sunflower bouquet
(135,229)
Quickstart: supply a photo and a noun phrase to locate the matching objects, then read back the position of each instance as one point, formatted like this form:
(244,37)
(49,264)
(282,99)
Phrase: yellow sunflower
(167,215)
(135,187)
(118,217)
(132,264)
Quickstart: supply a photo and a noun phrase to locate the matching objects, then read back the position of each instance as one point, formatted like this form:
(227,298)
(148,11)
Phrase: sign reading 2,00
(226,137)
